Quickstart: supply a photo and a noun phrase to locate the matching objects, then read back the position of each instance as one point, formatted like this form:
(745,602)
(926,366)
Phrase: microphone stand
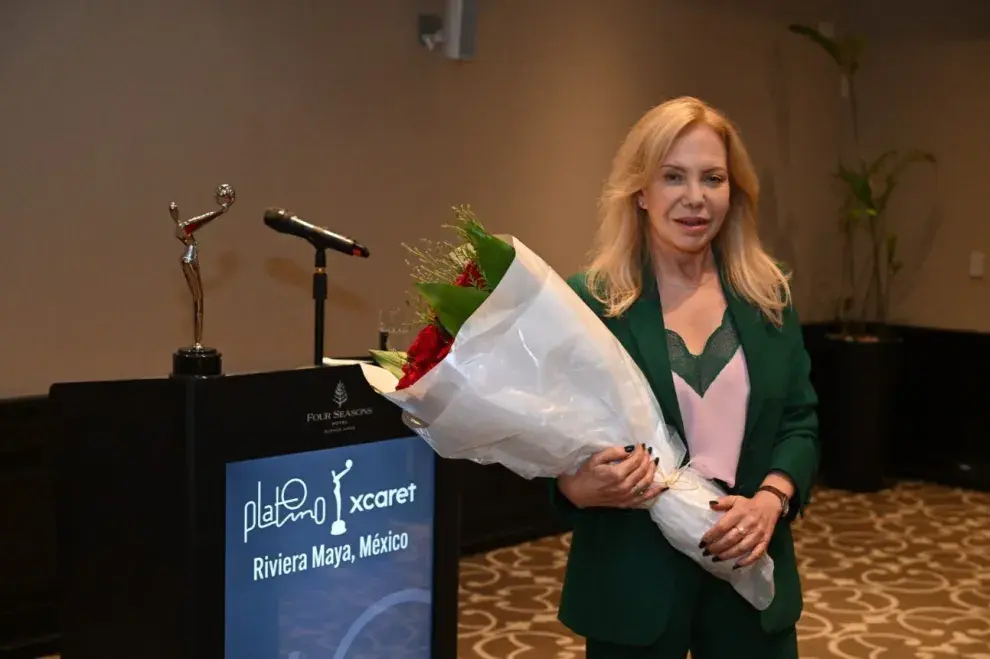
(319,303)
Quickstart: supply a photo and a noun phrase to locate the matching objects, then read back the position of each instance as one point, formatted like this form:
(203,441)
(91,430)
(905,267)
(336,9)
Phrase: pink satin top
(712,393)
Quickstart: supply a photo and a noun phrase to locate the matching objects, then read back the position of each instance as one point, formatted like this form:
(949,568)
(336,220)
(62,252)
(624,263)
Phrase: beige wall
(111,110)
(926,84)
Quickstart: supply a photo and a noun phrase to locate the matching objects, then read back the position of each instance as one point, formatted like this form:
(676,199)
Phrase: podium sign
(286,515)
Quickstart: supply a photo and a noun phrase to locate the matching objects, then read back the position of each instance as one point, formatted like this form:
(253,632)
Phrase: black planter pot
(857,385)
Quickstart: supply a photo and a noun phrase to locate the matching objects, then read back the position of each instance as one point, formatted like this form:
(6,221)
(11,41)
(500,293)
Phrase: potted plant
(858,359)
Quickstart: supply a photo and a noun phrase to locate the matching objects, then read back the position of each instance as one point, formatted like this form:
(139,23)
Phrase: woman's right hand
(615,477)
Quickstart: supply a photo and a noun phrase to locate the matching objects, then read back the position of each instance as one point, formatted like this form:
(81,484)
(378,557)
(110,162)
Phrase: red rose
(471,277)
(428,349)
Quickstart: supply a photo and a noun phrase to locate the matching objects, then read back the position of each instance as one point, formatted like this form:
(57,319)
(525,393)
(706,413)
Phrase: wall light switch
(977,261)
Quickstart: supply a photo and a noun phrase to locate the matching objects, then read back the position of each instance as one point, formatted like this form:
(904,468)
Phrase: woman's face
(688,198)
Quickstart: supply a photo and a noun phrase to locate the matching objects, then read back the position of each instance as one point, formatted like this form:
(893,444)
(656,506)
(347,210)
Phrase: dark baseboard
(940,437)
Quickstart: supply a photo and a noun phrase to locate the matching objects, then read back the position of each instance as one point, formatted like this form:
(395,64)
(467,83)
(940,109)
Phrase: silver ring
(741,529)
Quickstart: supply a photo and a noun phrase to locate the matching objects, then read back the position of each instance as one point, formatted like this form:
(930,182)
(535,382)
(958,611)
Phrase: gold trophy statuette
(197,360)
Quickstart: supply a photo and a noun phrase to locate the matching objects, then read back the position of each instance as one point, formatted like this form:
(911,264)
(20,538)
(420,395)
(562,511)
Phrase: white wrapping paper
(537,383)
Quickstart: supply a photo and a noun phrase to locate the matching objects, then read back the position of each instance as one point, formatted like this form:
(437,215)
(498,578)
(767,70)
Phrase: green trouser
(714,622)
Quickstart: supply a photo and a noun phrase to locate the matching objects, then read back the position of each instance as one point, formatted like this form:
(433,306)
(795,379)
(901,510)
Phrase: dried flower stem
(438,262)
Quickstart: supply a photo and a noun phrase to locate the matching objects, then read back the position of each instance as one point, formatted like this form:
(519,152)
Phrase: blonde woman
(680,277)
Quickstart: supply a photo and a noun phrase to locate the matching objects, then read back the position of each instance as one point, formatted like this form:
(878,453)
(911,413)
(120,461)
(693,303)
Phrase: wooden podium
(146,473)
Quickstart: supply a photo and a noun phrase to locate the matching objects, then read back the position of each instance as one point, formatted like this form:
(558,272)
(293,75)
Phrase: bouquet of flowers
(512,367)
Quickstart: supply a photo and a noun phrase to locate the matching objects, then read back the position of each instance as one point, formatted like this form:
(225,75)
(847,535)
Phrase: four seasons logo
(340,394)
(339,418)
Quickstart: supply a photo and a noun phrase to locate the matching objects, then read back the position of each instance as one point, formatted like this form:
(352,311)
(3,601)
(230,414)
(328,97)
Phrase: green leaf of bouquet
(452,304)
(391,360)
(494,258)
(493,255)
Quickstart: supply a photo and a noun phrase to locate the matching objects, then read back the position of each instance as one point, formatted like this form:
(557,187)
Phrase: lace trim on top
(699,371)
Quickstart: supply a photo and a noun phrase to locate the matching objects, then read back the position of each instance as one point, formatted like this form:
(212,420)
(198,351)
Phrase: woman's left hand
(744,530)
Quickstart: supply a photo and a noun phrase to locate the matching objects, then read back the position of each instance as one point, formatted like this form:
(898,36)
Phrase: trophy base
(339,527)
(197,362)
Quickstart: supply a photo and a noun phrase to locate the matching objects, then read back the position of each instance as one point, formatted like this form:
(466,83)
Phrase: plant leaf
(830,46)
(494,255)
(391,360)
(851,50)
(452,304)
(846,53)
(891,247)
(912,157)
(877,164)
(859,185)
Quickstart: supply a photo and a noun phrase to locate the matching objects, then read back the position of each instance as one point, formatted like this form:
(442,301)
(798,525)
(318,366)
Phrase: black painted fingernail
(715,559)
(650,450)
(713,503)
(656,462)
(644,445)
(630,448)
(736,566)
(702,544)
(706,553)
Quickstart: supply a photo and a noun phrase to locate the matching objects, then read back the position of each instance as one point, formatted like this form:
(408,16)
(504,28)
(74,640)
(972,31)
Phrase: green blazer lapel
(757,347)
(645,318)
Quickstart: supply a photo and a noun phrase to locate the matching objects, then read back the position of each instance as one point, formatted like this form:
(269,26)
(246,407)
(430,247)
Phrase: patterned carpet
(903,573)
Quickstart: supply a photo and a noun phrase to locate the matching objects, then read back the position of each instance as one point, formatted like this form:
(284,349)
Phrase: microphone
(283,221)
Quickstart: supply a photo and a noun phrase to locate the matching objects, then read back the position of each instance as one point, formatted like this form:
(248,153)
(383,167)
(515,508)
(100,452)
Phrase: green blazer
(620,566)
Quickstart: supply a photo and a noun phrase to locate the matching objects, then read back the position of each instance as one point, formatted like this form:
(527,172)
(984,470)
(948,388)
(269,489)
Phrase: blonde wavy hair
(622,246)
